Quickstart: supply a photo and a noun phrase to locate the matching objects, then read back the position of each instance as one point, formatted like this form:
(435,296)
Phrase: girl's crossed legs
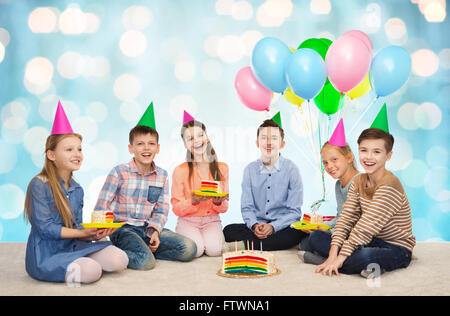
(89,269)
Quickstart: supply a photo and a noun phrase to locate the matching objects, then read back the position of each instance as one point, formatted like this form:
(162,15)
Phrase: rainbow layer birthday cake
(316,218)
(248,262)
(210,186)
(102,217)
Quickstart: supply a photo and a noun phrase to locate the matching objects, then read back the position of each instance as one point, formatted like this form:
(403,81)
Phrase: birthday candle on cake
(260,246)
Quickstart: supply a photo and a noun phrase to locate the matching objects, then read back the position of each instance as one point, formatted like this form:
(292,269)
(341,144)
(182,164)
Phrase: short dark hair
(376,133)
(270,123)
(142,130)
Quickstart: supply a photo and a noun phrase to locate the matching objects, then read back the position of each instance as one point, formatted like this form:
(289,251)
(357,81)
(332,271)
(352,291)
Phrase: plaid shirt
(135,198)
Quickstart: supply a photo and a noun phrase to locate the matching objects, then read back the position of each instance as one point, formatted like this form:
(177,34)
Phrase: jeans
(134,241)
(388,256)
(283,239)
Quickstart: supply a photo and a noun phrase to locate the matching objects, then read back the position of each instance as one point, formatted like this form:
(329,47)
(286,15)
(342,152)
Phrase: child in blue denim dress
(138,194)
(58,247)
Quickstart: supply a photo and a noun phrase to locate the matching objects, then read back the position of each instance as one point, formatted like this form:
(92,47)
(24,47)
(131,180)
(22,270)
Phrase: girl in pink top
(198,216)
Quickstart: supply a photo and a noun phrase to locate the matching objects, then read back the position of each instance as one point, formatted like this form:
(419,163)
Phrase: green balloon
(329,98)
(317,45)
(327,41)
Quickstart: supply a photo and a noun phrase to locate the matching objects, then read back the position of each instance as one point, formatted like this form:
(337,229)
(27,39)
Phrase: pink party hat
(187,117)
(338,137)
(61,124)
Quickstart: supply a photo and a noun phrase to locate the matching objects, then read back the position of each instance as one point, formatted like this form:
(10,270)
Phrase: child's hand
(154,241)
(103,232)
(267,229)
(199,198)
(263,230)
(88,234)
(95,234)
(331,266)
(219,199)
(307,231)
(257,231)
(322,229)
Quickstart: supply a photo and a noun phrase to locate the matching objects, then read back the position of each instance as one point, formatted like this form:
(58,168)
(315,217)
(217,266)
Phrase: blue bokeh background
(106,60)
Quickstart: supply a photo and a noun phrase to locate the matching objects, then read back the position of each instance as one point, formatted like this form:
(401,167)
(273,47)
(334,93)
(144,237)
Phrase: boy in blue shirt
(272,195)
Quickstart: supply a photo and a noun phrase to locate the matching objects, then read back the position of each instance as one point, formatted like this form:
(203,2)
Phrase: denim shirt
(48,255)
(272,196)
(45,217)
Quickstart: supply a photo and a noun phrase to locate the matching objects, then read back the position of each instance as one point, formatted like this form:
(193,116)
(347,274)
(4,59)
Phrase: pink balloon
(348,62)
(251,92)
(362,36)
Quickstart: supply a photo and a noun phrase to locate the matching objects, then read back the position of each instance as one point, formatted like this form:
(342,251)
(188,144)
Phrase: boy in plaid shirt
(138,194)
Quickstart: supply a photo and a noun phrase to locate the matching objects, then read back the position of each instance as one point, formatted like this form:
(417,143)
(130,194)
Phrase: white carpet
(428,275)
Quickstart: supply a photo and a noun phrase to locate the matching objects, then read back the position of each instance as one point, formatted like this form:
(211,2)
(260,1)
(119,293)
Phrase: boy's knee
(145,263)
(189,250)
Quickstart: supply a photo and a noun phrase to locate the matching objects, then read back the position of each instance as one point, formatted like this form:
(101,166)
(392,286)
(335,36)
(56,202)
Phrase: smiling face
(144,148)
(335,163)
(373,155)
(269,143)
(67,155)
(196,141)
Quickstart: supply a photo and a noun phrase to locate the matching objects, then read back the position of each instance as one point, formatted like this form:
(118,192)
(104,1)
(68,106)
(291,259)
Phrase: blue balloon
(306,73)
(269,58)
(390,69)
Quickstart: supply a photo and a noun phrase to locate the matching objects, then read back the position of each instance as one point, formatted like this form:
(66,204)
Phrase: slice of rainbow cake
(211,186)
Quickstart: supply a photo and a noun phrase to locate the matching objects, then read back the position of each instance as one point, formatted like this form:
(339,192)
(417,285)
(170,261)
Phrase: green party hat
(381,121)
(148,119)
(277,119)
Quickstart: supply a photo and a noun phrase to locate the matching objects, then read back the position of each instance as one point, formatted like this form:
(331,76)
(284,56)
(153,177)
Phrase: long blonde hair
(49,174)
(212,156)
(345,150)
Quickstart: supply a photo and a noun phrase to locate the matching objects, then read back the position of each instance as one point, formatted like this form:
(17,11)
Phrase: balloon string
(321,165)
(316,205)
(362,115)
(346,108)
(309,131)
(311,135)
(328,126)
(298,146)
(301,151)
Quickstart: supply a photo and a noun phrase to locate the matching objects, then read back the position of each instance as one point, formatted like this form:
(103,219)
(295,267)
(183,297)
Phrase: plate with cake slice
(211,188)
(102,219)
(313,222)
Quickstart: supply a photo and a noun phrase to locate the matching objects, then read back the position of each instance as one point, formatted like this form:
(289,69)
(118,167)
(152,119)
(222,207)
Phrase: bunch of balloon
(322,71)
